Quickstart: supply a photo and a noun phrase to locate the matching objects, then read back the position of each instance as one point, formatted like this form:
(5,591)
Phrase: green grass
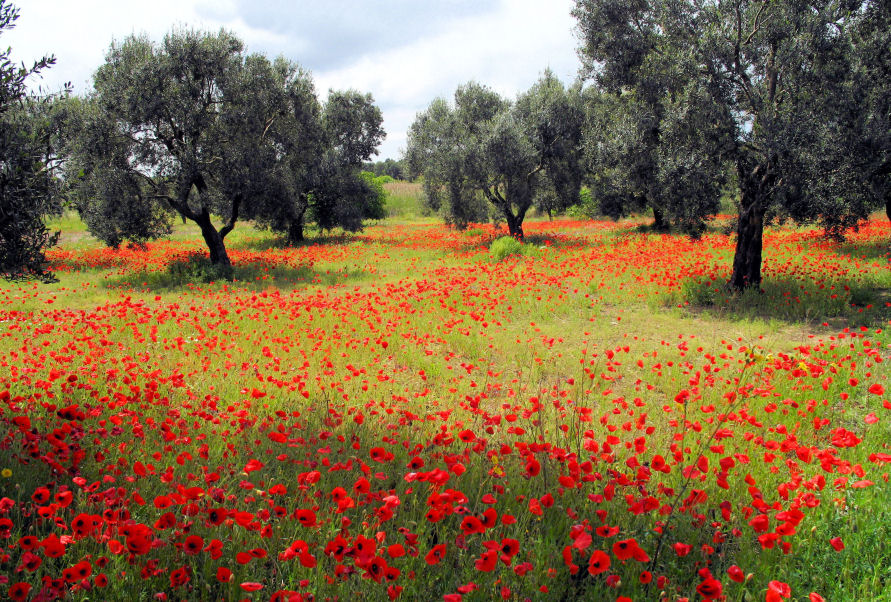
(405,201)
(416,329)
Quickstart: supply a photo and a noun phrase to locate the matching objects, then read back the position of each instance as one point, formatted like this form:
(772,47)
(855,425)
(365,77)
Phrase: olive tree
(333,193)
(768,86)
(196,127)
(163,131)
(508,153)
(28,160)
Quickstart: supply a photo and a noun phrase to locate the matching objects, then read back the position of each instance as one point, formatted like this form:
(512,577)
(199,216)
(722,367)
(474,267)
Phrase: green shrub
(587,207)
(506,246)
(700,292)
(196,267)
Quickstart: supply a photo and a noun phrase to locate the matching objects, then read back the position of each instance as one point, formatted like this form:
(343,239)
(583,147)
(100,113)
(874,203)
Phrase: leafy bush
(196,267)
(700,292)
(587,207)
(506,246)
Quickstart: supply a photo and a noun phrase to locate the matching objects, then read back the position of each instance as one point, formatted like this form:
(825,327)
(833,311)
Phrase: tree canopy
(781,90)
(194,126)
(28,186)
(322,179)
(508,153)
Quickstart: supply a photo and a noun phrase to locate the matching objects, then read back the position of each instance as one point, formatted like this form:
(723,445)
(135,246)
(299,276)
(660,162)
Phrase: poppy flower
(179,577)
(486,563)
(19,591)
(710,588)
(624,549)
(193,544)
(376,569)
(682,549)
(31,562)
(307,518)
(436,554)
(224,575)
(471,525)
(598,562)
(396,550)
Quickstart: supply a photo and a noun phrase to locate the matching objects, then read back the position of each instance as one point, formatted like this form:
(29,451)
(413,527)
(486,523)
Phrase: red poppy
(624,549)
(179,577)
(307,518)
(598,563)
(224,575)
(436,554)
(19,591)
(776,591)
(193,544)
(710,588)
(471,525)
(487,561)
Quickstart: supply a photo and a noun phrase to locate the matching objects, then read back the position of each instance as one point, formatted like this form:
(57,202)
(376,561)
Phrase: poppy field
(396,415)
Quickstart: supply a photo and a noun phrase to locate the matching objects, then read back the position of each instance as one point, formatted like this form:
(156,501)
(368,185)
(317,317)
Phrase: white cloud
(506,50)
(506,47)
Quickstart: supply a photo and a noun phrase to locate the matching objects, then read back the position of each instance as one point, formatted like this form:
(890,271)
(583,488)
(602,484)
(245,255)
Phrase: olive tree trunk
(750,228)
(214,241)
(659,223)
(514,225)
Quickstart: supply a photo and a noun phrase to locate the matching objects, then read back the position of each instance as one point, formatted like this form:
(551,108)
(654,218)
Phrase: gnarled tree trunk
(295,231)
(514,225)
(750,228)
(295,227)
(214,241)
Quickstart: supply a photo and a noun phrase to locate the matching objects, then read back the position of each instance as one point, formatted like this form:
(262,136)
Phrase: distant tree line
(484,150)
(388,167)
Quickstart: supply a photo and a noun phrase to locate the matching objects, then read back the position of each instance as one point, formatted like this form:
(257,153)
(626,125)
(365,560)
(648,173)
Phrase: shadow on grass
(478,238)
(281,242)
(251,276)
(788,300)
(868,251)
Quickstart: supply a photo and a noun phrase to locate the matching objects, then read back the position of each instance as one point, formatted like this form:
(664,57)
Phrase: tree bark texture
(750,227)
(295,227)
(514,225)
(214,241)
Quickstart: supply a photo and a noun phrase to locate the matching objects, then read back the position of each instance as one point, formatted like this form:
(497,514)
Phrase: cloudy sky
(405,52)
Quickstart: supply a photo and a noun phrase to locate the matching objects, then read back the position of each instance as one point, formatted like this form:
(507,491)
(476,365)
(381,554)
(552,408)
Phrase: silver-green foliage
(792,95)
(28,187)
(483,148)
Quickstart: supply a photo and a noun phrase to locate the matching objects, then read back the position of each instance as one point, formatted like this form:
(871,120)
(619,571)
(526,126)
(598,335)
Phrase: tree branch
(233,217)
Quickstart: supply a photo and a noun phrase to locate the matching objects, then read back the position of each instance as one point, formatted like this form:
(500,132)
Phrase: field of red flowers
(395,415)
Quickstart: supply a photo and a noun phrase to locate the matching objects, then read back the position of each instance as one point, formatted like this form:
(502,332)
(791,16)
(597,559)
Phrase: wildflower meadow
(403,414)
